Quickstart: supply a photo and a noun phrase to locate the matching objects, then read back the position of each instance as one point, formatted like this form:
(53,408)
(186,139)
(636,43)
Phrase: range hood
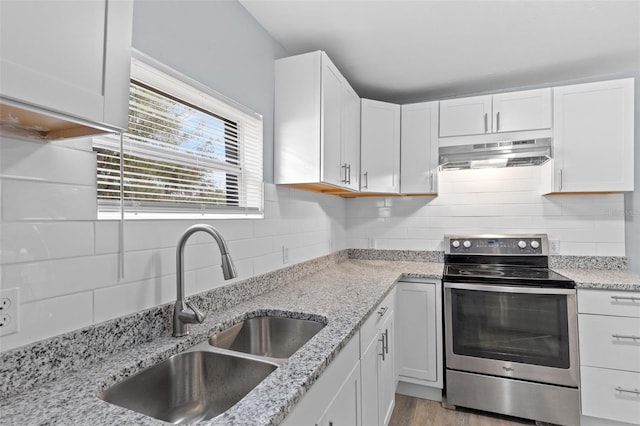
(531,152)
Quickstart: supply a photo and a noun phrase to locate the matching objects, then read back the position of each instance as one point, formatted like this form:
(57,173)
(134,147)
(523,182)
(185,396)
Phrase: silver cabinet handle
(349,175)
(345,180)
(386,341)
(366,181)
(623,336)
(630,298)
(497,121)
(634,391)
(486,122)
(382,311)
(382,354)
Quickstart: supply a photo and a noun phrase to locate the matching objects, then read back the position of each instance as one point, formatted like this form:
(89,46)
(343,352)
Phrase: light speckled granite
(46,360)
(402,255)
(602,279)
(612,263)
(615,263)
(344,294)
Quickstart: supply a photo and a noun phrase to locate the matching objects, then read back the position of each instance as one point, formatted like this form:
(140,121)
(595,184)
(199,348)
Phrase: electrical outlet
(285,254)
(9,311)
(372,243)
(554,246)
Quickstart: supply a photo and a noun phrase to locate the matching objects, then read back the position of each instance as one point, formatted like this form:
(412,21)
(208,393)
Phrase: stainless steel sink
(273,337)
(189,386)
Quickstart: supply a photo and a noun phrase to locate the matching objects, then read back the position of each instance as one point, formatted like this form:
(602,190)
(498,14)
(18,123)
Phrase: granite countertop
(344,294)
(602,279)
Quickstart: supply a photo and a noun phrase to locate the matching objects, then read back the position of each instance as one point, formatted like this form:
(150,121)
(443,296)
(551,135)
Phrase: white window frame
(250,131)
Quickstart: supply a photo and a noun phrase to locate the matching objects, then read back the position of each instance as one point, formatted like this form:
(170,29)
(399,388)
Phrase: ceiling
(403,51)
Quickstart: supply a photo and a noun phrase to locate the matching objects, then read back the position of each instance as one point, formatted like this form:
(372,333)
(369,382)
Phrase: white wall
(65,262)
(489,200)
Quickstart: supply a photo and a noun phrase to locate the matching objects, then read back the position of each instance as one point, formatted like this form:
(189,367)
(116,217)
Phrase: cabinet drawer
(603,394)
(619,303)
(607,341)
(370,327)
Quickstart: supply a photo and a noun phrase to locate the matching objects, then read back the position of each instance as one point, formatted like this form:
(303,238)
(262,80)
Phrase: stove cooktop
(505,274)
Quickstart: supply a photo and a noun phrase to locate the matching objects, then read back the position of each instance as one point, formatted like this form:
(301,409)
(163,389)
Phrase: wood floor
(421,412)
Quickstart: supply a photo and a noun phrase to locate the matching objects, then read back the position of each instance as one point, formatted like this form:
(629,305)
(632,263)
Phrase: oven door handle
(497,288)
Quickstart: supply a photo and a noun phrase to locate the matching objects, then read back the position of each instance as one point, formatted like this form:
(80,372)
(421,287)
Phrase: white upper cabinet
(419,148)
(593,137)
(380,147)
(507,112)
(67,57)
(465,116)
(317,119)
(525,110)
(350,127)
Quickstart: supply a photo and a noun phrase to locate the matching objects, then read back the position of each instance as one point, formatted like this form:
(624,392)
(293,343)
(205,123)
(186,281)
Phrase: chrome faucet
(181,316)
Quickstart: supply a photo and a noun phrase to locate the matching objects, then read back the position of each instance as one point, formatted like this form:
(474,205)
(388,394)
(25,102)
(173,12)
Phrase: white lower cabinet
(334,398)
(345,407)
(358,387)
(419,338)
(377,364)
(609,328)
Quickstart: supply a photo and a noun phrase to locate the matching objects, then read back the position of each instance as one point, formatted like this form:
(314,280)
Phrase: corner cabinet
(380,147)
(505,112)
(419,338)
(419,148)
(377,364)
(593,139)
(609,326)
(67,57)
(316,124)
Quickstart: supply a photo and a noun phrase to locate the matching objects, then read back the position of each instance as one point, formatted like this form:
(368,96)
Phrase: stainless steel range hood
(531,152)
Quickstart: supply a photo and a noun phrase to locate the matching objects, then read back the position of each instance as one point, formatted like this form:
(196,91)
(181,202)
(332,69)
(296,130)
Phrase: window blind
(185,151)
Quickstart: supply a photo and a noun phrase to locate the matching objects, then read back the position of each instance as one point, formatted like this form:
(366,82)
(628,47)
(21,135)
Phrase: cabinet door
(369,360)
(466,116)
(419,148)
(593,136)
(68,56)
(386,371)
(380,147)
(344,408)
(350,161)
(331,123)
(419,336)
(525,110)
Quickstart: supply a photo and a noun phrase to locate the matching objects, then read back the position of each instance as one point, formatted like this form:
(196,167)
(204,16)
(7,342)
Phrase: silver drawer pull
(635,391)
(630,298)
(382,311)
(622,336)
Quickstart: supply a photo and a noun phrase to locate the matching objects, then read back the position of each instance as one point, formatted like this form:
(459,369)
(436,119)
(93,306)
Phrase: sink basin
(189,386)
(273,337)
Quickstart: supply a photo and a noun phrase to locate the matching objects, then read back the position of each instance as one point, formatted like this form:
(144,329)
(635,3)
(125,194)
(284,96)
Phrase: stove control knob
(522,244)
(455,243)
(467,244)
(535,244)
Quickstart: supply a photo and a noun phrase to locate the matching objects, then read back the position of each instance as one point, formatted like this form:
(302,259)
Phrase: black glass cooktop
(505,274)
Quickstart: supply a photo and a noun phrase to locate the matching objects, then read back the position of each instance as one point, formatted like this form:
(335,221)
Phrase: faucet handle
(197,313)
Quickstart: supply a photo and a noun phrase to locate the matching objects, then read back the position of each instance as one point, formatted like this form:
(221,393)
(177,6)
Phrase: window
(187,151)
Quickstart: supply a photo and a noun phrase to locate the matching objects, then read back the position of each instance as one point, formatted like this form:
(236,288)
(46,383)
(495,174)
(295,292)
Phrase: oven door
(528,333)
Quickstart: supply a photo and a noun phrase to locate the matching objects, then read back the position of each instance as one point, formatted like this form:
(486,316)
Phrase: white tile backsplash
(494,201)
(67,264)
(55,250)
(25,200)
